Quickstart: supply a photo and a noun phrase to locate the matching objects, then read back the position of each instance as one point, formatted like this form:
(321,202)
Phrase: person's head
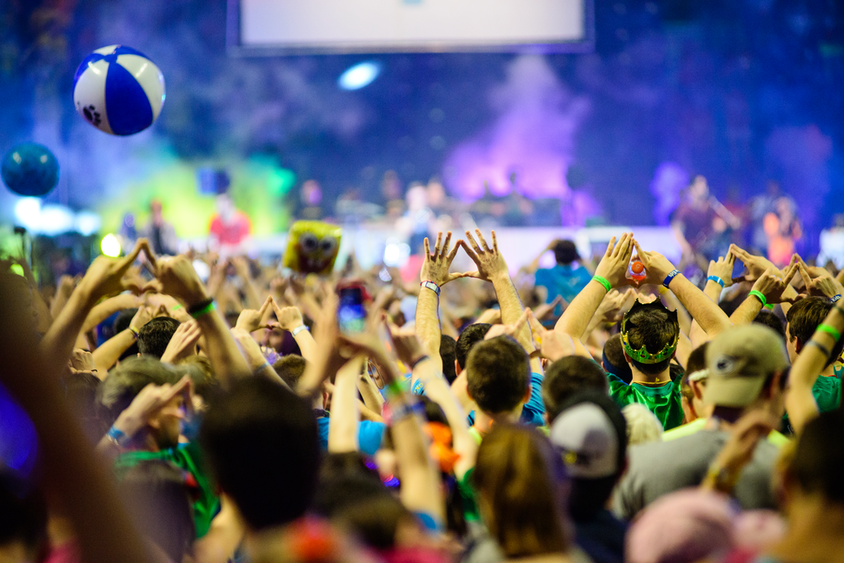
(262,445)
(649,334)
(565,378)
(642,425)
(693,384)
(771,320)
(23,518)
(225,206)
(127,380)
(206,387)
(591,434)
(470,336)
(699,188)
(154,336)
(155,211)
(565,252)
(814,471)
(158,496)
(498,375)
(613,359)
(521,483)
(290,369)
(747,368)
(803,319)
(447,353)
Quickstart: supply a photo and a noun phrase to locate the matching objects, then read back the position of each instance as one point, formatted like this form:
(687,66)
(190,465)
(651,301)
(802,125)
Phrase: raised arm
(771,287)
(799,401)
(433,276)
(709,316)
(345,418)
(290,319)
(107,354)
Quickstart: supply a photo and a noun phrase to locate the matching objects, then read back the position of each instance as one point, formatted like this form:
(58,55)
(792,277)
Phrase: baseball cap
(738,361)
(588,437)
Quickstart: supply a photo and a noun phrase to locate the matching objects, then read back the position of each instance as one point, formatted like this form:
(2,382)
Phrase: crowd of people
(150,416)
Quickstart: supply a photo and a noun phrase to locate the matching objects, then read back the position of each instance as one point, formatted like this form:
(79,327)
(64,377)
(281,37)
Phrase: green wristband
(830,330)
(204,310)
(394,389)
(759,295)
(603,282)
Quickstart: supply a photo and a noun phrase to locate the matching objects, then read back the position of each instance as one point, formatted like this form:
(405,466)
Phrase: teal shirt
(662,400)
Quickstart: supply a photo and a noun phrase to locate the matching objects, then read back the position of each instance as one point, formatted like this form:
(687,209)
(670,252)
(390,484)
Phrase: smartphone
(351,315)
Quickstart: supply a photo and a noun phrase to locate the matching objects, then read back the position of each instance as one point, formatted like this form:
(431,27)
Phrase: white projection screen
(355,26)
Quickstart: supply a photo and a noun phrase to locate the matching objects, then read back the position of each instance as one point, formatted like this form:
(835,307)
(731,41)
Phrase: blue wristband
(835,298)
(717,280)
(671,275)
(120,438)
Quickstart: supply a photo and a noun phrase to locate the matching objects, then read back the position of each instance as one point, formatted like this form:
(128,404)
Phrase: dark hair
(614,361)
(519,479)
(652,328)
(23,512)
(202,377)
(696,362)
(261,441)
(499,374)
(448,353)
(154,336)
(565,252)
(290,369)
(121,323)
(127,380)
(818,460)
(568,376)
(770,319)
(804,318)
(159,500)
(589,496)
(470,336)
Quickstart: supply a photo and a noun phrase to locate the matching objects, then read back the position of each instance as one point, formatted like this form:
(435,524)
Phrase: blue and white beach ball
(118,90)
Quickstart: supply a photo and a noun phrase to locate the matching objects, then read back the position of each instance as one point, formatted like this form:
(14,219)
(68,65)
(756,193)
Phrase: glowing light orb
(110,246)
(360,75)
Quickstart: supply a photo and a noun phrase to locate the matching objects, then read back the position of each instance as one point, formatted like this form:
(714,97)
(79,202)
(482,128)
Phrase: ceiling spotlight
(360,75)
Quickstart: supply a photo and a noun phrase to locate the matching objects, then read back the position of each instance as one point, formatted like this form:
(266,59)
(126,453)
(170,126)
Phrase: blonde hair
(642,425)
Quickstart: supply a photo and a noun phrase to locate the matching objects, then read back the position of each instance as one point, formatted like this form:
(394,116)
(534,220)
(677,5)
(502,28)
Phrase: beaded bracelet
(603,281)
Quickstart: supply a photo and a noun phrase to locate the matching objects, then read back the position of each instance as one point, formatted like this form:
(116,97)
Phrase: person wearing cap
(591,435)
(747,368)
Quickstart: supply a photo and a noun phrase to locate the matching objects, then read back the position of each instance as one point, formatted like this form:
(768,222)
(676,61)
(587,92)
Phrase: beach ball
(30,169)
(118,90)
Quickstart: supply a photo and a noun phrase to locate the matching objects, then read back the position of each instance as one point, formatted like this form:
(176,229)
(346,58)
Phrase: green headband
(642,355)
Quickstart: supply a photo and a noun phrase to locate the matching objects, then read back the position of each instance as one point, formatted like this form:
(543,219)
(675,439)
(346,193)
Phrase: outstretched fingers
(437,245)
(482,240)
(444,251)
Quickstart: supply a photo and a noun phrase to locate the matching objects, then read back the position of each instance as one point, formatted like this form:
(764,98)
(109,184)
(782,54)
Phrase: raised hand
(105,276)
(723,268)
(818,281)
(435,267)
(144,315)
(754,266)
(613,265)
(610,308)
(738,451)
(251,320)
(408,347)
(251,350)
(508,330)
(489,261)
(149,402)
(82,360)
(288,317)
(177,277)
(546,309)
(183,343)
(552,344)
(772,286)
(656,265)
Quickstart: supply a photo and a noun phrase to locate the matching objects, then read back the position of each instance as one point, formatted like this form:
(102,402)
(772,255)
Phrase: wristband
(604,282)
(299,329)
(403,411)
(826,352)
(418,361)
(431,285)
(758,295)
(835,298)
(830,330)
(393,389)
(202,308)
(135,332)
(117,436)
(671,275)
(717,280)
(262,367)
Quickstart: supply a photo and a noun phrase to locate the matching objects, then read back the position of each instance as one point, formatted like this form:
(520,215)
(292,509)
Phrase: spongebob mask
(312,247)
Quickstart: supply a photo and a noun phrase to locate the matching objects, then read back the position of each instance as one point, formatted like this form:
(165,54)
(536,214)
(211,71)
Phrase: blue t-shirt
(562,280)
(369,435)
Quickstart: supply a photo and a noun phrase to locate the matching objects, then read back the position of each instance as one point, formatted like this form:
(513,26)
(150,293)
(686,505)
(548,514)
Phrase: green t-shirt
(827,393)
(662,400)
(187,457)
(468,498)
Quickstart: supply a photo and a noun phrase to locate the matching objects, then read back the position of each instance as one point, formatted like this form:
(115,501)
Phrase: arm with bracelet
(813,359)
(106,355)
(290,319)
(767,290)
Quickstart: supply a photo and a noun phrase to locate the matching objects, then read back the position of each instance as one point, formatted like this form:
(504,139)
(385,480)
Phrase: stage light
(110,246)
(360,75)
(55,220)
(87,223)
(27,212)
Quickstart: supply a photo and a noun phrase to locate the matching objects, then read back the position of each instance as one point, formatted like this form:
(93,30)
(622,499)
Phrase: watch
(431,285)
